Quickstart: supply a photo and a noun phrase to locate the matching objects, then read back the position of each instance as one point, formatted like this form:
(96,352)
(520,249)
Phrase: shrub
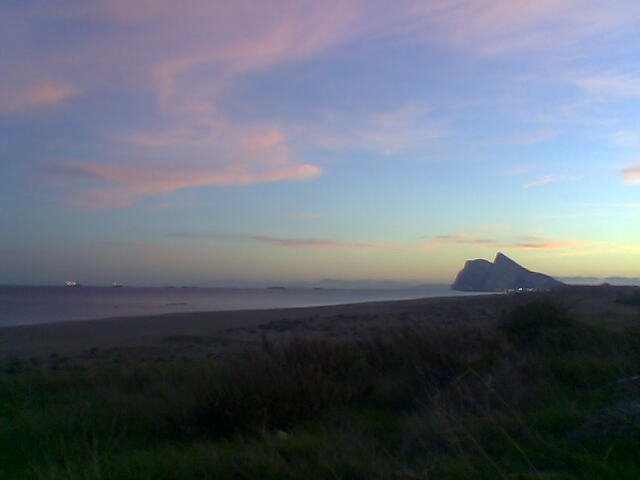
(281,386)
(545,326)
(630,298)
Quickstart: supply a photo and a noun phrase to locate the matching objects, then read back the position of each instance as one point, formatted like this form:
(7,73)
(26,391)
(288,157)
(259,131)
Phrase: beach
(27,305)
(219,333)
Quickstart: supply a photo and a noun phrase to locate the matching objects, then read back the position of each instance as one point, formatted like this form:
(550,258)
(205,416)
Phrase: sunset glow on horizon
(207,142)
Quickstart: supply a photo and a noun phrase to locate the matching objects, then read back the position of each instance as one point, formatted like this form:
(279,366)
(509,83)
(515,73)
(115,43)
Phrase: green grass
(539,397)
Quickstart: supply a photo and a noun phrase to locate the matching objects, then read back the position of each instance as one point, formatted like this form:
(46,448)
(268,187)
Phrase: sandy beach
(206,334)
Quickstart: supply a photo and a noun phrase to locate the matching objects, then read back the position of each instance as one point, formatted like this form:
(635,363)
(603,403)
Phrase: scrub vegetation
(539,395)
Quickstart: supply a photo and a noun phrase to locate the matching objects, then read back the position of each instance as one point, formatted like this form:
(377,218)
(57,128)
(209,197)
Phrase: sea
(25,305)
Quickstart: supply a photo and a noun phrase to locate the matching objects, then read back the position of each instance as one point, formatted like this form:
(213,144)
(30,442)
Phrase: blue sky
(160,142)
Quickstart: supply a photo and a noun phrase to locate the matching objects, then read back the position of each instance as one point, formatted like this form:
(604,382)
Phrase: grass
(540,396)
(630,298)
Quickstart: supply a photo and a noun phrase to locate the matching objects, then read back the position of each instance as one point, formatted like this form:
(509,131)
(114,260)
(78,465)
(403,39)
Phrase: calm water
(29,305)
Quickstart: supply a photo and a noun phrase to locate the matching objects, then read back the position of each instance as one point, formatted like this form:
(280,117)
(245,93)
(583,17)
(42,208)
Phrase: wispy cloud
(513,243)
(534,243)
(212,153)
(113,186)
(538,182)
(626,138)
(163,48)
(465,239)
(551,178)
(269,37)
(620,85)
(631,175)
(429,246)
(405,127)
(495,27)
(285,242)
(189,58)
(20,99)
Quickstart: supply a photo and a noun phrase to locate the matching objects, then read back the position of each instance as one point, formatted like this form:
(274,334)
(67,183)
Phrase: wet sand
(207,334)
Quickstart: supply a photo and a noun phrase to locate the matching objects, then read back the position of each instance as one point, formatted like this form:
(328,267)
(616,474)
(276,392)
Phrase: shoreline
(36,305)
(212,333)
(241,311)
(74,336)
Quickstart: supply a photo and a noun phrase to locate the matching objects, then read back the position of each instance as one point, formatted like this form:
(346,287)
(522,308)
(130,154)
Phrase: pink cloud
(186,58)
(545,245)
(161,47)
(495,27)
(631,175)
(163,180)
(284,242)
(236,155)
(429,246)
(172,49)
(547,179)
(516,243)
(119,186)
(246,40)
(15,99)
(165,50)
(465,239)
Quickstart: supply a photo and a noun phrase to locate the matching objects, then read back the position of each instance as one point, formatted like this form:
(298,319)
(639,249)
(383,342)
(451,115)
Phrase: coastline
(238,326)
(214,333)
(30,305)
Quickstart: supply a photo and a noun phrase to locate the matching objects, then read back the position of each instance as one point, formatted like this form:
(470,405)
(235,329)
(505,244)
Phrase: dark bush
(282,386)
(545,327)
(630,298)
(540,325)
(288,383)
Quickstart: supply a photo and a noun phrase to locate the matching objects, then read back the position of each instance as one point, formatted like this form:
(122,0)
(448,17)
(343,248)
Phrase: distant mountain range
(503,274)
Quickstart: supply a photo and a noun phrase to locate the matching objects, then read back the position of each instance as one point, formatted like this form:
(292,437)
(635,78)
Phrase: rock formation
(502,274)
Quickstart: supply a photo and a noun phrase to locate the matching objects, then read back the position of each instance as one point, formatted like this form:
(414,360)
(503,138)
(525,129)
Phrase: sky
(201,142)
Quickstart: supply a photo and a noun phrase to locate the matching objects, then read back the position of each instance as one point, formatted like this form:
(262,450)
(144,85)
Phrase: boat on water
(116,285)
(71,283)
